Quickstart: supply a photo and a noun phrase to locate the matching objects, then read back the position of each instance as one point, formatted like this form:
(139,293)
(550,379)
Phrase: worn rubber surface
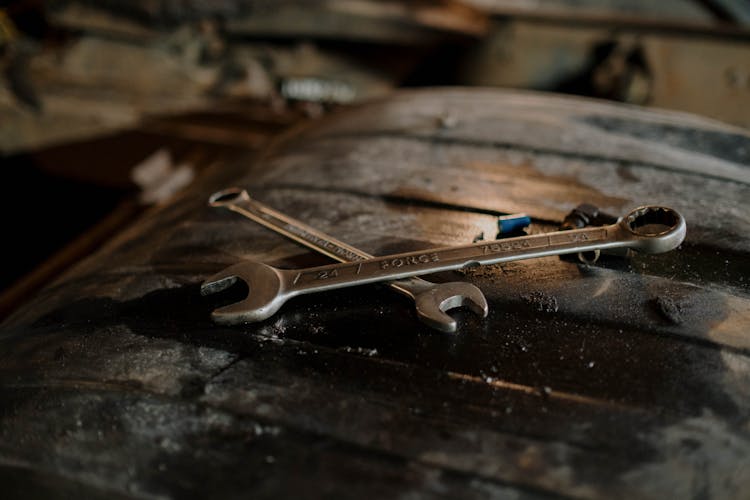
(628,378)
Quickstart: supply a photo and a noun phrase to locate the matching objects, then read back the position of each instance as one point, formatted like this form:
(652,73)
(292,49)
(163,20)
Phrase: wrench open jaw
(435,300)
(265,298)
(267,294)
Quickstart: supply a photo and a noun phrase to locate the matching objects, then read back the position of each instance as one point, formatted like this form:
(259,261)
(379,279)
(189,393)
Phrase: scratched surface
(628,378)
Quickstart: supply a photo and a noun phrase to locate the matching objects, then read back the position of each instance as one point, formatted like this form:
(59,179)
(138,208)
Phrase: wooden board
(628,378)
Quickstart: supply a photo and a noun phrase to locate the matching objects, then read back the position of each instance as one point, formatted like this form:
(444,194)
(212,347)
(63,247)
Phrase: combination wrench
(648,229)
(431,300)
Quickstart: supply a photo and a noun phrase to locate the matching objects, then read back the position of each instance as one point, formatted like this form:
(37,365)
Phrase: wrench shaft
(297,231)
(451,258)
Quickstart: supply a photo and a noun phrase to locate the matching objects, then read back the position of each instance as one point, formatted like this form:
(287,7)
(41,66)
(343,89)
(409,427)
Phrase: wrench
(431,300)
(647,229)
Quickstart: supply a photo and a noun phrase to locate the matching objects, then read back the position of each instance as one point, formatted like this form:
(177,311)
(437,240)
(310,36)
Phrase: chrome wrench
(647,229)
(431,300)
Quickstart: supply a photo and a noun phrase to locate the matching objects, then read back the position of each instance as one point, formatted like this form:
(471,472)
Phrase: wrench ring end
(659,229)
(227,197)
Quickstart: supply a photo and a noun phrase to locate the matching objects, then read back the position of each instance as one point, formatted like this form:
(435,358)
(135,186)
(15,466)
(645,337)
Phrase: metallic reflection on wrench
(431,300)
(646,229)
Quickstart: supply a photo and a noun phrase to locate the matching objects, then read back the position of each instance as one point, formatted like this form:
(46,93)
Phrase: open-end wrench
(431,300)
(647,229)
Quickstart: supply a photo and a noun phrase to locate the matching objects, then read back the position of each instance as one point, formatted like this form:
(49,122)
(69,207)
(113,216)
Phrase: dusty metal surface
(624,379)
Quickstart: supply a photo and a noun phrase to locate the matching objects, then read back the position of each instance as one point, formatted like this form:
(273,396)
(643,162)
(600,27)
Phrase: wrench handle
(239,201)
(451,258)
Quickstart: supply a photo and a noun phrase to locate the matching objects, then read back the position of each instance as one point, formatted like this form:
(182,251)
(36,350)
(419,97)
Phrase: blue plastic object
(512,223)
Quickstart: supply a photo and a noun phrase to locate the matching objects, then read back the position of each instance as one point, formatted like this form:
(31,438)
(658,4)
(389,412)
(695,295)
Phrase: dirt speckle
(361,350)
(492,272)
(542,302)
(670,308)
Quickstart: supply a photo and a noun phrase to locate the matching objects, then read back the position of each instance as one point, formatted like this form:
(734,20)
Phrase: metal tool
(431,300)
(647,229)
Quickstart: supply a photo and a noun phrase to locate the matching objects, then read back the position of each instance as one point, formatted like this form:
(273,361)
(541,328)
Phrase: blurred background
(110,107)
